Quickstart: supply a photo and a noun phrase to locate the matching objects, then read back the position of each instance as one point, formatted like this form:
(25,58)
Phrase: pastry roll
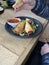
(18,4)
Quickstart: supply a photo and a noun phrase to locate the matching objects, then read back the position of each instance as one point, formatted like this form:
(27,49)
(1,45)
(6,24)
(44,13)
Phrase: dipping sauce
(15,20)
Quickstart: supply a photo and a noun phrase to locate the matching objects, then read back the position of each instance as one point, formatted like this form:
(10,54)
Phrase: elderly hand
(45,49)
(28,5)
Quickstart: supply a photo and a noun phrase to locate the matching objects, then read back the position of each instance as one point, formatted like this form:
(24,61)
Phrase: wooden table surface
(17,49)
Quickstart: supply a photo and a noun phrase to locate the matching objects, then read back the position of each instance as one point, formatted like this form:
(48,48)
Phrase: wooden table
(15,51)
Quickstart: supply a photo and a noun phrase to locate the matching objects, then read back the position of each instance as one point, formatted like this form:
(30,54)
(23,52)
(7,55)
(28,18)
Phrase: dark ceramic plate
(37,32)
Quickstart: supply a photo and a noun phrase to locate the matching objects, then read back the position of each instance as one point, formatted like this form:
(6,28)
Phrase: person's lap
(35,57)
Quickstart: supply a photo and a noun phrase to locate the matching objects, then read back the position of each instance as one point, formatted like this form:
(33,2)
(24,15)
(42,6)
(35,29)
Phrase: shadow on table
(35,57)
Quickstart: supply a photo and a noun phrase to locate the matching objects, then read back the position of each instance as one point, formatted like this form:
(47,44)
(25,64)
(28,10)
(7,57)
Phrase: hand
(24,7)
(28,5)
(45,49)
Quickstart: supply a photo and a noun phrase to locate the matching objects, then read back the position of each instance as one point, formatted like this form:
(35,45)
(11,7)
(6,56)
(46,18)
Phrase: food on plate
(29,21)
(28,28)
(18,4)
(19,28)
(25,27)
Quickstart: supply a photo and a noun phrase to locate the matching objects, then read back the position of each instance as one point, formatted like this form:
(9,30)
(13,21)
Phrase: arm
(39,7)
(35,5)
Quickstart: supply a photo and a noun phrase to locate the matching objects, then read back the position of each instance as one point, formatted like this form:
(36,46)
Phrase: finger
(17,9)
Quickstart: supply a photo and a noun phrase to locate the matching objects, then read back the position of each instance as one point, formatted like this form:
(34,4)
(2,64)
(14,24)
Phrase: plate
(9,28)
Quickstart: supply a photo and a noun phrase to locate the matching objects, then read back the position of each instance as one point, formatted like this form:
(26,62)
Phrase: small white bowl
(13,23)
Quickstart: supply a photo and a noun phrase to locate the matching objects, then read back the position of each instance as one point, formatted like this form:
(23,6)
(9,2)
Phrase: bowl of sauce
(13,22)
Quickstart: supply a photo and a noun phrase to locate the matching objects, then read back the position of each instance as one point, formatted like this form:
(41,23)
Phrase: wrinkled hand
(27,5)
(45,49)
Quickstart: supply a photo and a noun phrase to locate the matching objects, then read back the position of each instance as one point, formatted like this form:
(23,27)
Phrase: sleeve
(45,59)
(41,8)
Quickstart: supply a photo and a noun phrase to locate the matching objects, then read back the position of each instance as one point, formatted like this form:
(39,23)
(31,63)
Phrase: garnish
(22,34)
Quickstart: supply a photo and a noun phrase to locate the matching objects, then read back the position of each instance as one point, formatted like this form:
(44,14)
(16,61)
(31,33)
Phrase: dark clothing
(45,59)
(42,8)
(36,58)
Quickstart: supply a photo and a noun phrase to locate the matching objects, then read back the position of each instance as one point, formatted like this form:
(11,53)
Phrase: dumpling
(28,28)
(29,21)
(18,4)
(19,28)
